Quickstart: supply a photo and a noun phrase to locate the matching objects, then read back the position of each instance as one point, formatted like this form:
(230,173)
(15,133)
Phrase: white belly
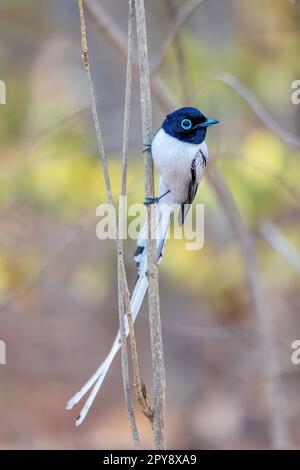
(173,160)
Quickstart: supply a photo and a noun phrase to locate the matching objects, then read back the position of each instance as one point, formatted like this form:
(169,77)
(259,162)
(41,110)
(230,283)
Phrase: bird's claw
(147,148)
(154,200)
(151,200)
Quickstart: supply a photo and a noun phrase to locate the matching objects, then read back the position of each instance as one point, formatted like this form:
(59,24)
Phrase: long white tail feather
(163,219)
(136,301)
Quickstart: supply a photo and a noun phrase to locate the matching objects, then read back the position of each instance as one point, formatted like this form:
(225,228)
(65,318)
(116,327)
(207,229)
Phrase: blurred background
(58,312)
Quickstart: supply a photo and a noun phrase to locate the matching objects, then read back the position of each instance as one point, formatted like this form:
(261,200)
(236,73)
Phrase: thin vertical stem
(124,353)
(122,282)
(131,21)
(158,367)
(139,387)
(124,306)
(85,58)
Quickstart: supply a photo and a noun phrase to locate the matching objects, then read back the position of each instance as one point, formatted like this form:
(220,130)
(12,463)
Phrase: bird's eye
(186,124)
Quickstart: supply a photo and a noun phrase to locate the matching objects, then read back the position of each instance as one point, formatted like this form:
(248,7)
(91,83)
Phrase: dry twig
(258,108)
(117,39)
(275,391)
(180,58)
(280,244)
(122,282)
(158,368)
(182,17)
(124,295)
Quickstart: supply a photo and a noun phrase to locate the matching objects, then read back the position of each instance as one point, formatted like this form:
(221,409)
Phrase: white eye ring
(186,124)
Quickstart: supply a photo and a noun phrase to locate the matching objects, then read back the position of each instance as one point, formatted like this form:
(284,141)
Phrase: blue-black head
(188,125)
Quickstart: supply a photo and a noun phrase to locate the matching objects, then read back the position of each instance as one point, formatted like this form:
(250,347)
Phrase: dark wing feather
(193,186)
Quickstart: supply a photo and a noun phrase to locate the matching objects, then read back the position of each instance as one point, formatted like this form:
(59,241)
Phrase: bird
(180,155)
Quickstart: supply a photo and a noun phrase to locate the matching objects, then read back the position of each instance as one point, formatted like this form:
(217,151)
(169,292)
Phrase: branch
(180,59)
(140,390)
(123,308)
(85,58)
(158,367)
(275,392)
(280,244)
(139,386)
(258,108)
(182,17)
(122,283)
(116,38)
(123,291)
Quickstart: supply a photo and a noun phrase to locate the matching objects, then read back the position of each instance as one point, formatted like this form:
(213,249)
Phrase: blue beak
(209,122)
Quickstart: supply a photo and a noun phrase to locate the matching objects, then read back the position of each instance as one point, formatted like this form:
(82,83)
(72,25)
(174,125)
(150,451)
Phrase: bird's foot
(154,200)
(151,200)
(147,148)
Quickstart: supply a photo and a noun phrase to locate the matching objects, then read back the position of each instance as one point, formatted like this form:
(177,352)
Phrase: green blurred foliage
(59,176)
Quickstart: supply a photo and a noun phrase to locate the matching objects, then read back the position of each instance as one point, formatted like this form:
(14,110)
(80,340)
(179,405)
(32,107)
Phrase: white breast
(173,159)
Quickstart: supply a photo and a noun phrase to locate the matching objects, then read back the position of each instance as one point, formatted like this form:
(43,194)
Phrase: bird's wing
(197,167)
